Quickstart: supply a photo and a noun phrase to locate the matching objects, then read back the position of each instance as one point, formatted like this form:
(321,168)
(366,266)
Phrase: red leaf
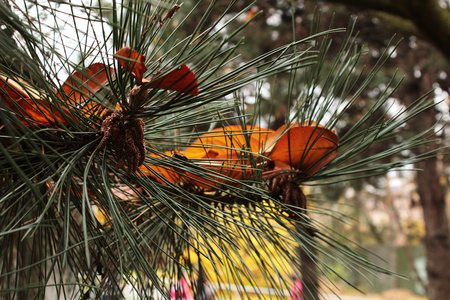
(79,86)
(133,62)
(25,101)
(306,148)
(180,80)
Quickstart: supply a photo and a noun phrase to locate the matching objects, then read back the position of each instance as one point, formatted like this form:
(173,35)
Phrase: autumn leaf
(181,80)
(29,104)
(132,62)
(26,102)
(232,138)
(218,167)
(303,147)
(156,173)
(78,87)
(221,151)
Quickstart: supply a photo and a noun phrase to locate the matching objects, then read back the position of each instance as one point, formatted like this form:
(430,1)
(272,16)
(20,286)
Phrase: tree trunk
(431,193)
(437,232)
(310,272)
(432,199)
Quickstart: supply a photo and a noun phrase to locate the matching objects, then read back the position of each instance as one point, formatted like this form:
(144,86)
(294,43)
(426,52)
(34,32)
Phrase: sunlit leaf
(306,148)
(225,151)
(157,173)
(228,138)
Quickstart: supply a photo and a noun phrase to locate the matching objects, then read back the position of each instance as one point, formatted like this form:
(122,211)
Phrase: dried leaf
(305,148)
(158,172)
(133,62)
(221,151)
(26,103)
(180,80)
(79,87)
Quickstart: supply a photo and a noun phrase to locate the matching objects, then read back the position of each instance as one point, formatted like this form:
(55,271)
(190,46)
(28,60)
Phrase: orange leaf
(180,80)
(221,152)
(229,139)
(78,87)
(306,148)
(155,172)
(217,162)
(25,101)
(133,62)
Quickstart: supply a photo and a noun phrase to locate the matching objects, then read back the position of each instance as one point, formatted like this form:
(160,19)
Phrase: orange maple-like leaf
(181,80)
(303,147)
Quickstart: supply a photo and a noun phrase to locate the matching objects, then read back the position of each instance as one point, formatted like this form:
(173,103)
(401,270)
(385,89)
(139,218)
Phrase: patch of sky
(70,33)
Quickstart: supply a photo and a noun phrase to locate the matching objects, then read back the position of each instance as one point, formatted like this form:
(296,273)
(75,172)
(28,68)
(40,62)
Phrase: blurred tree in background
(423,58)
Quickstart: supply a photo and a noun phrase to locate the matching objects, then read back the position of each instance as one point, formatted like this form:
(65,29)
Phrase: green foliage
(73,223)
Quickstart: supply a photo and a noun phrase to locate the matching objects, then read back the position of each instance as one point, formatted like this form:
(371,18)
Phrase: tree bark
(310,279)
(309,270)
(437,232)
(430,189)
